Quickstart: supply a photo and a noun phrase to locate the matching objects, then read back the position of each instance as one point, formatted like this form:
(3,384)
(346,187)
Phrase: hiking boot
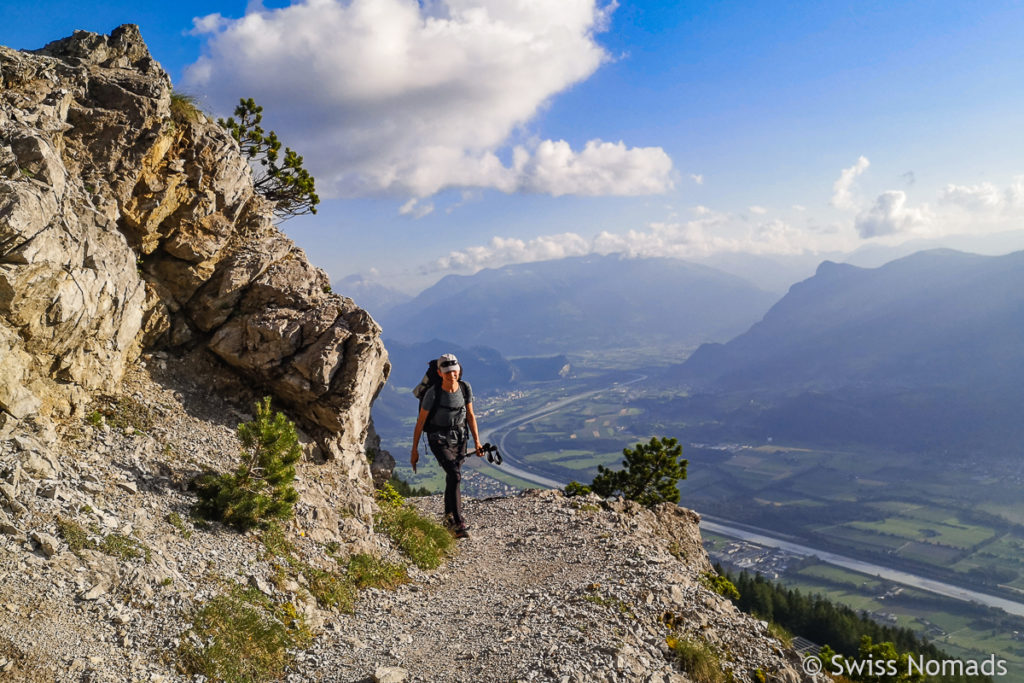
(461,532)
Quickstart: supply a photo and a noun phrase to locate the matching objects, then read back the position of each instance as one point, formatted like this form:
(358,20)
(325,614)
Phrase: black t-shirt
(451,411)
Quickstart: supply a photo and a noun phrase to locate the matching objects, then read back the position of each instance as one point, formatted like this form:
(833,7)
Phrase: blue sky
(457,134)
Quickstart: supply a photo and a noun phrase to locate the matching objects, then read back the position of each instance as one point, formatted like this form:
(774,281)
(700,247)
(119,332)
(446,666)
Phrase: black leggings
(449,456)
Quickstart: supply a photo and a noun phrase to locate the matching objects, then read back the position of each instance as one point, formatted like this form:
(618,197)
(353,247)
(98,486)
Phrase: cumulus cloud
(759,210)
(711,233)
(890,215)
(601,168)
(409,98)
(502,251)
(984,196)
(842,197)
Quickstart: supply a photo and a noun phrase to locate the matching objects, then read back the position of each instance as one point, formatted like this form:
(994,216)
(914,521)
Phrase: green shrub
(698,660)
(720,584)
(260,489)
(75,535)
(330,589)
(240,636)
(425,542)
(649,476)
(574,488)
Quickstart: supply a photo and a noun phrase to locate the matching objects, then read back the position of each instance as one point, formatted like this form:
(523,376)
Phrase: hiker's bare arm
(471,419)
(420,421)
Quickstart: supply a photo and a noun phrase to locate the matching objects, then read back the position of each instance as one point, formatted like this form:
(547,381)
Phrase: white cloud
(842,197)
(759,210)
(601,168)
(984,196)
(710,234)
(890,215)
(501,251)
(415,209)
(211,23)
(697,178)
(409,98)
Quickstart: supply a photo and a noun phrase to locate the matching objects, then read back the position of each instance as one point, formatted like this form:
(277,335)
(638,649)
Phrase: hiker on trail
(446,409)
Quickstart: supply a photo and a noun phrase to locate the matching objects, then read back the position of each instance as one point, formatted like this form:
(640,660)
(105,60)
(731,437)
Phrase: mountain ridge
(581,303)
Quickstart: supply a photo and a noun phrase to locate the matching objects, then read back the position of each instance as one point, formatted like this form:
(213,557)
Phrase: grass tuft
(184,108)
(367,571)
(241,635)
(697,660)
(425,542)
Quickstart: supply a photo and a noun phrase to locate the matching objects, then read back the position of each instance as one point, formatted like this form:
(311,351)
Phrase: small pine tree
(288,185)
(574,488)
(260,489)
(649,475)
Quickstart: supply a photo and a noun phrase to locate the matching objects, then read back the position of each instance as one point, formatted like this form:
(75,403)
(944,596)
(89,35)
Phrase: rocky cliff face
(124,228)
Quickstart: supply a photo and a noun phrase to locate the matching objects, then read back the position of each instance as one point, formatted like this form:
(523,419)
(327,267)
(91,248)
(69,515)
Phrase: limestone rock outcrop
(128,224)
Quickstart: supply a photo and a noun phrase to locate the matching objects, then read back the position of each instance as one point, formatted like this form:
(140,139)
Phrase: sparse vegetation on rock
(241,635)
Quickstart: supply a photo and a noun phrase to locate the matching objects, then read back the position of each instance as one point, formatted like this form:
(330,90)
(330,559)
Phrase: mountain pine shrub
(649,476)
(283,181)
(260,489)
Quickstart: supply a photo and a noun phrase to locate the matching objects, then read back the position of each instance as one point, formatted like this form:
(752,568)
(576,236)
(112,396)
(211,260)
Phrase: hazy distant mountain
(370,295)
(593,302)
(926,348)
(872,255)
(937,317)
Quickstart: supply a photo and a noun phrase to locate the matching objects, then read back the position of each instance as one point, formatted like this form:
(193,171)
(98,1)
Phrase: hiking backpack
(433,379)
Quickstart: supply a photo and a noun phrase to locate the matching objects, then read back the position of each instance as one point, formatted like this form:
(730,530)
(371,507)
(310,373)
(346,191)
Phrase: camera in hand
(493,456)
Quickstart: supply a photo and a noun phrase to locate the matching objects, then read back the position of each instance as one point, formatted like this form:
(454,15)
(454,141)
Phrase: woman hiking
(446,409)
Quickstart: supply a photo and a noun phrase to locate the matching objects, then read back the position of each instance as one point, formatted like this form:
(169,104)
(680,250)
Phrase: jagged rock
(383,464)
(123,228)
(6,526)
(390,674)
(47,543)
